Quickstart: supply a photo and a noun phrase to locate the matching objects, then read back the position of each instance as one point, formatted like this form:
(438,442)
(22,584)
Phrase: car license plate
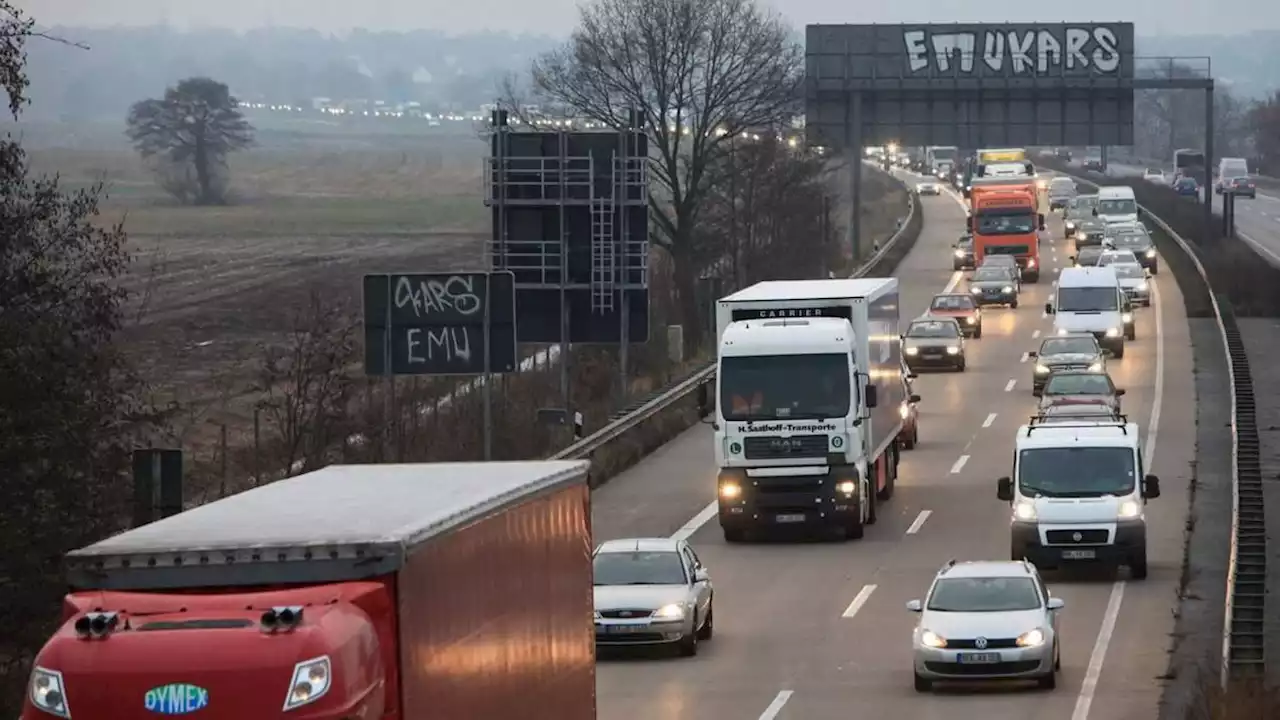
(624,629)
(1079,554)
(978,658)
(793,518)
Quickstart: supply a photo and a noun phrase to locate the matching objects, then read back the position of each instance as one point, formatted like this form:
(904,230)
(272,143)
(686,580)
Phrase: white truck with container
(809,405)
(941,161)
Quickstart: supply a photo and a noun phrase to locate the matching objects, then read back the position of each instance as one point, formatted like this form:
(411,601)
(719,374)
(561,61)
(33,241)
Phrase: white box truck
(809,404)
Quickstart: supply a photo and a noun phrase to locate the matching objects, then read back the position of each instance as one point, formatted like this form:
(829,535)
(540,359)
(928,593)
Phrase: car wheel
(1048,682)
(734,535)
(689,644)
(1131,333)
(709,627)
(1138,565)
(1155,269)
(977,334)
(1118,353)
(1014,305)
(1057,657)
(960,365)
(923,684)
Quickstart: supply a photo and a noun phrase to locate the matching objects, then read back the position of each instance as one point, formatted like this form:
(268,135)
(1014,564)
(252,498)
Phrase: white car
(651,591)
(1152,175)
(928,188)
(1111,256)
(1135,280)
(986,620)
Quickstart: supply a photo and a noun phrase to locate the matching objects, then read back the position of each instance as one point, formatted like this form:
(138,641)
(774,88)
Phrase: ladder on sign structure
(603,255)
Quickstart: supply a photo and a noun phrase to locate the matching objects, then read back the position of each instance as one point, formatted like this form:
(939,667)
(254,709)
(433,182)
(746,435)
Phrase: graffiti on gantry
(1025,51)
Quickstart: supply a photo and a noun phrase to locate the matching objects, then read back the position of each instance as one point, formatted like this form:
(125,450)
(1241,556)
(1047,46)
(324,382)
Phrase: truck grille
(776,447)
(1068,537)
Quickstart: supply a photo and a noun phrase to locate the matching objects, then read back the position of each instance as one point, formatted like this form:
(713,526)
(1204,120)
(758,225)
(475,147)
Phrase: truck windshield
(944,153)
(1006,223)
(784,387)
(1088,299)
(1117,207)
(1077,471)
(638,568)
(989,594)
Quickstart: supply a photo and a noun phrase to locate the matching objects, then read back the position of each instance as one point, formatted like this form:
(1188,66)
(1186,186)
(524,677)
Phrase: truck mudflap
(828,502)
(222,664)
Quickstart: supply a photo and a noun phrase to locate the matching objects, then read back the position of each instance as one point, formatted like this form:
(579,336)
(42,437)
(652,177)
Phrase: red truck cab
(1006,220)
(378,592)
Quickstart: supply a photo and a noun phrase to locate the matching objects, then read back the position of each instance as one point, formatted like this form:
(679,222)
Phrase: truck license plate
(1079,554)
(793,518)
(978,658)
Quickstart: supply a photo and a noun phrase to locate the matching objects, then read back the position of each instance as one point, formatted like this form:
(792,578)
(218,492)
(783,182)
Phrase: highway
(819,631)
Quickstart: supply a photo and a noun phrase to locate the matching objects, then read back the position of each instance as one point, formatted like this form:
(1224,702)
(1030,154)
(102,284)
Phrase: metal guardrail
(1243,612)
(584,448)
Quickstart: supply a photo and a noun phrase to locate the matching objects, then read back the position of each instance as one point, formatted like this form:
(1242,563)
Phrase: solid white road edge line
(959,464)
(858,601)
(775,707)
(990,419)
(918,522)
(1084,701)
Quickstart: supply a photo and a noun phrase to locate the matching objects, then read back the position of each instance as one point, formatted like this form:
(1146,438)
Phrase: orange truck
(1005,219)
(434,591)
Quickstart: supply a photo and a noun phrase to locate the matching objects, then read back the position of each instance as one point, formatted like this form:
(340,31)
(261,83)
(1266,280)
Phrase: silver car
(1089,232)
(987,620)
(994,285)
(1078,209)
(934,342)
(1061,191)
(1073,351)
(1135,282)
(652,591)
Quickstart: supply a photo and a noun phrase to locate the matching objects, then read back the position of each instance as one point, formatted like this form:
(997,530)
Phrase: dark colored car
(1080,387)
(994,285)
(1238,186)
(1186,186)
(1088,256)
(962,257)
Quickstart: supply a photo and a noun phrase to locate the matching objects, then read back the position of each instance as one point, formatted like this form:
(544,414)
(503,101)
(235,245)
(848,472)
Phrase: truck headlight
(1007,289)
(1151,253)
(931,639)
(1113,332)
(1042,369)
(1062,331)
(1128,509)
(847,487)
(674,611)
(48,692)
(913,351)
(1126,318)
(953,349)
(730,490)
(1143,286)
(311,680)
(1032,638)
(1031,262)
(1024,511)
(1096,367)
(904,410)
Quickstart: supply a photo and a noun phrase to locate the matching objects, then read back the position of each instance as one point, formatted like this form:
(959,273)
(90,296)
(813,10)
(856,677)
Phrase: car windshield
(952,302)
(1129,271)
(990,274)
(1062,185)
(638,568)
(933,329)
(1117,258)
(1089,256)
(1080,384)
(1006,223)
(784,387)
(1084,202)
(1069,346)
(1122,206)
(1077,471)
(984,594)
(1187,182)
(1087,299)
(1074,413)
(1133,240)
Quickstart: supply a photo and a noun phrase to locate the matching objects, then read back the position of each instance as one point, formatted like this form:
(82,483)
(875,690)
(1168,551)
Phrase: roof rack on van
(1103,419)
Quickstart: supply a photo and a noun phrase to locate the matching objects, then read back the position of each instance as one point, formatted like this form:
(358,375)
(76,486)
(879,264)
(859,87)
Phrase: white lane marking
(953,282)
(918,522)
(858,601)
(687,530)
(990,419)
(1035,335)
(1023,358)
(1009,385)
(1090,685)
(1044,315)
(959,464)
(775,707)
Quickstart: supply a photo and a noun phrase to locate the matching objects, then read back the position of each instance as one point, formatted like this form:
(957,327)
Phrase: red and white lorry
(451,591)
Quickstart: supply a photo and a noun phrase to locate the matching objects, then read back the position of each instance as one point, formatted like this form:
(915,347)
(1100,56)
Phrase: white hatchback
(986,620)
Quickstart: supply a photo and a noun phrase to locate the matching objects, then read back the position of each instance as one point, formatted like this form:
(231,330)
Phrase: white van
(1090,299)
(1116,204)
(1233,168)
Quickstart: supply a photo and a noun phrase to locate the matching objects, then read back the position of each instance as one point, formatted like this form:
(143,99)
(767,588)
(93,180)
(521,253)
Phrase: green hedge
(1250,282)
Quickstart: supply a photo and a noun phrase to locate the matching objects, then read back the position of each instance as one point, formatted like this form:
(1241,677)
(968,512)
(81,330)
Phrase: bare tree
(701,72)
(1264,124)
(1166,120)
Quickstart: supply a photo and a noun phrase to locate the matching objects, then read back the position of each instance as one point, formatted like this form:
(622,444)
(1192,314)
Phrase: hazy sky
(557,16)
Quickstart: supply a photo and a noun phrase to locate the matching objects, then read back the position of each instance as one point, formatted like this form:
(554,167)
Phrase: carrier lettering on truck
(840,311)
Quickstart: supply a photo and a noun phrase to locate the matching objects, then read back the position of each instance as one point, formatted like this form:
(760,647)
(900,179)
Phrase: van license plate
(1079,554)
(798,517)
(978,658)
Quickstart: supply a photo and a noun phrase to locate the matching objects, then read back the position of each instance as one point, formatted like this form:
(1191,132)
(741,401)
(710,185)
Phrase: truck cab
(1078,493)
(1090,299)
(1005,220)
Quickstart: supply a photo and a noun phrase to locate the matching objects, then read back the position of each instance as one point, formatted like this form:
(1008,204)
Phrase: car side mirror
(912,376)
(1004,489)
(913,399)
(872,394)
(1071,258)
(1151,487)
(1048,308)
(915,606)
(701,575)
(1119,392)
(1095,212)
(1033,354)
(902,336)
(1055,603)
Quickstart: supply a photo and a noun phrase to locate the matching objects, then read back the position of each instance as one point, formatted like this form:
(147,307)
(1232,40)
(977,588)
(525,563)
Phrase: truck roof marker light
(96,625)
(281,619)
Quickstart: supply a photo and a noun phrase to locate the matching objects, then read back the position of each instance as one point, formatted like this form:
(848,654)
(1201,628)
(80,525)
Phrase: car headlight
(975,291)
(971,320)
(1031,262)
(953,349)
(1080,236)
(1126,318)
(1071,225)
(730,490)
(1113,332)
(311,680)
(1128,509)
(1062,331)
(1096,367)
(959,253)
(1024,511)
(913,351)
(929,638)
(1033,638)
(48,692)
(904,410)
(1151,253)
(1143,286)
(846,487)
(1007,289)
(1042,369)
(674,611)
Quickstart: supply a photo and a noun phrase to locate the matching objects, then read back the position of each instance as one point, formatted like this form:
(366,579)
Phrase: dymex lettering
(456,294)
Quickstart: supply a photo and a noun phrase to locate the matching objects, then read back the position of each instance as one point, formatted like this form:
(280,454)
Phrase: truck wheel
(689,644)
(734,535)
(1118,353)
(1131,333)
(709,627)
(1155,269)
(872,492)
(910,439)
(855,529)
(922,684)
(892,479)
(1138,565)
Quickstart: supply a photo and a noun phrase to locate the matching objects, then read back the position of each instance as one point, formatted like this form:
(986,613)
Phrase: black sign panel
(837,311)
(434,323)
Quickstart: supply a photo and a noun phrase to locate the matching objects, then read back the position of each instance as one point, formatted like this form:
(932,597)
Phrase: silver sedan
(652,591)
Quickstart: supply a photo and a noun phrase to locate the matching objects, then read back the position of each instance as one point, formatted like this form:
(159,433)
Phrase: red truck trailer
(451,591)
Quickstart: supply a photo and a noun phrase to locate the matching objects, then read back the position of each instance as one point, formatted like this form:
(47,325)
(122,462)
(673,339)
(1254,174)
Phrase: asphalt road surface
(819,631)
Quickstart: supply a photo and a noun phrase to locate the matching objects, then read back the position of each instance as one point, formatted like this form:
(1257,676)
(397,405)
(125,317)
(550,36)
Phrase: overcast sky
(557,16)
